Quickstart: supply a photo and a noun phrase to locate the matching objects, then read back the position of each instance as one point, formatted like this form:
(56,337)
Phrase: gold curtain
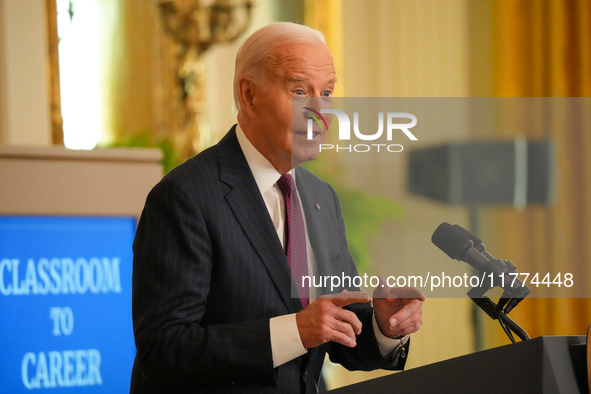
(542,49)
(140,72)
(327,16)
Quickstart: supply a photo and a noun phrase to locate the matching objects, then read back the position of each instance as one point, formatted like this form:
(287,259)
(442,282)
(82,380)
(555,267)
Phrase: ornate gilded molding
(53,70)
(195,26)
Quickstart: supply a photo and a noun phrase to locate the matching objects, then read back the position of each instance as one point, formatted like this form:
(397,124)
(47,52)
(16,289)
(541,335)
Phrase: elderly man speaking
(224,236)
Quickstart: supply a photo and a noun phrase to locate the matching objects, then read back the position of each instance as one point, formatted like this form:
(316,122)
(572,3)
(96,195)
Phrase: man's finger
(343,339)
(407,292)
(402,323)
(406,312)
(385,291)
(409,326)
(349,318)
(344,328)
(399,292)
(341,302)
(347,297)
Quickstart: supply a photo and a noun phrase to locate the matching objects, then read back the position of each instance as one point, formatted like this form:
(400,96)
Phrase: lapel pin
(317,206)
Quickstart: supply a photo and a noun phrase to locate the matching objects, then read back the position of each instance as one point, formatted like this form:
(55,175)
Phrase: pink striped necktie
(295,235)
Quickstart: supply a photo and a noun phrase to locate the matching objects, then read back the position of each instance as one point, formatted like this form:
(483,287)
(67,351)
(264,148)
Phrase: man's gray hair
(251,59)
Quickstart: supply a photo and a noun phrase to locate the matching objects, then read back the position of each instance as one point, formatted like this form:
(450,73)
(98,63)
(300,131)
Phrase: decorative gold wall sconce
(195,26)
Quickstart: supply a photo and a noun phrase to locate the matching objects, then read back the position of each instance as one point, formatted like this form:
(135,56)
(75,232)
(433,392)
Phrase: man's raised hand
(398,310)
(325,320)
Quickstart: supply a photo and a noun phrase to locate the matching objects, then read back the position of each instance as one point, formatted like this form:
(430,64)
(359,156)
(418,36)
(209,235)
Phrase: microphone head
(451,241)
(477,242)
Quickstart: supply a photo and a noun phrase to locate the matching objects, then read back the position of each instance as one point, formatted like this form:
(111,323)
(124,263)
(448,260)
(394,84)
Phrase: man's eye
(299,92)
(327,93)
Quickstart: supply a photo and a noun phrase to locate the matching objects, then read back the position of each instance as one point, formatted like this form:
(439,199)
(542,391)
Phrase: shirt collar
(263,171)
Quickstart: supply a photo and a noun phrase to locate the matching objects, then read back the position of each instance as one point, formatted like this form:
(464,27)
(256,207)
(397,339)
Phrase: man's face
(305,73)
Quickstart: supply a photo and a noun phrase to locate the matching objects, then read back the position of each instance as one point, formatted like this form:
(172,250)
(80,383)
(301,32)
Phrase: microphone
(477,242)
(460,244)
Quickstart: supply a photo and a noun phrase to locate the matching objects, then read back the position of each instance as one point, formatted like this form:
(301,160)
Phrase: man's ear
(247,91)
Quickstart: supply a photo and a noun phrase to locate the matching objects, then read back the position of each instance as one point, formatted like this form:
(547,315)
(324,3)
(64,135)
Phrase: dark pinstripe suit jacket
(209,272)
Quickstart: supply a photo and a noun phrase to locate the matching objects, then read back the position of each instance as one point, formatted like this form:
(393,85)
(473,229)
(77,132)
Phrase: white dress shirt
(285,338)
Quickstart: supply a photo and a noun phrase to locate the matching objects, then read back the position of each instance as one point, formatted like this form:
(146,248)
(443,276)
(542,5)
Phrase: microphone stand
(512,326)
(499,311)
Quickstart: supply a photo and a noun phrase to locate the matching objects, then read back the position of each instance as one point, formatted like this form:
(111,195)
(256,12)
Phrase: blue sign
(65,304)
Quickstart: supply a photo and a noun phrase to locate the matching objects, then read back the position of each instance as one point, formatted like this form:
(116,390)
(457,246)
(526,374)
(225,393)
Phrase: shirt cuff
(385,344)
(286,343)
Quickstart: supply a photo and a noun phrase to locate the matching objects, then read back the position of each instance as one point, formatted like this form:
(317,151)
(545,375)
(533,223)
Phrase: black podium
(543,365)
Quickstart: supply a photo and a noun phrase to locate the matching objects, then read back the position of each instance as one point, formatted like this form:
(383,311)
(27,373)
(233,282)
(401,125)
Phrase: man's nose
(317,103)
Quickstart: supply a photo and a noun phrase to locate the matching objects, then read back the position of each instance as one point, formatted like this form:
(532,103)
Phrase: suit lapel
(248,206)
(314,221)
